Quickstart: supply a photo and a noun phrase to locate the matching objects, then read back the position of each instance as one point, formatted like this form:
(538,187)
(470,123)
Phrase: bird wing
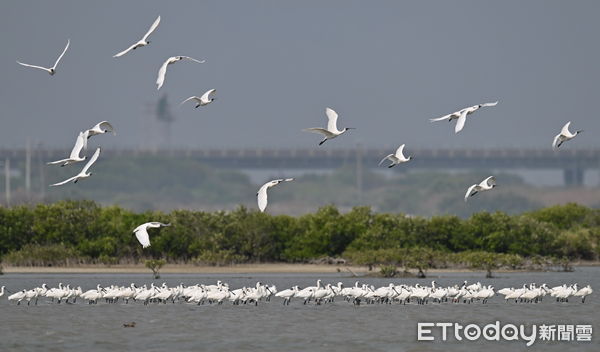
(63,54)
(555,142)
(445,117)
(460,123)
(57,162)
(400,152)
(161,74)
(261,196)
(125,51)
(206,96)
(92,161)
(79,144)
(34,66)
(470,191)
(65,181)
(332,117)
(190,98)
(105,125)
(565,130)
(319,131)
(490,181)
(490,104)
(152,28)
(142,236)
(86,135)
(157,224)
(384,159)
(192,59)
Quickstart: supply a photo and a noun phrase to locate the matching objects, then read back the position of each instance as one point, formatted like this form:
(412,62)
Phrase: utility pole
(359,172)
(28,168)
(7,180)
(42,194)
(42,182)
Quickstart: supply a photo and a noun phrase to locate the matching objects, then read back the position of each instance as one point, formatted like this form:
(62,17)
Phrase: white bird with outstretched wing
(485,185)
(141,232)
(564,135)
(51,70)
(74,156)
(162,71)
(396,158)
(142,42)
(84,173)
(461,115)
(205,99)
(331,131)
(261,195)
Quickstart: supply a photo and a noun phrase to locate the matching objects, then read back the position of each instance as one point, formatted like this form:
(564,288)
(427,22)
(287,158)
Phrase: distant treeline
(71,232)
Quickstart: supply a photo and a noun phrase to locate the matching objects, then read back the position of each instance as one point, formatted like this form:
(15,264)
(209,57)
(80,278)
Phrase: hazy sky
(385,66)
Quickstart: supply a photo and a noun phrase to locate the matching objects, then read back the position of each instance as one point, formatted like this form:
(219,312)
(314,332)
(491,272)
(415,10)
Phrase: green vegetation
(155,265)
(74,232)
(388,271)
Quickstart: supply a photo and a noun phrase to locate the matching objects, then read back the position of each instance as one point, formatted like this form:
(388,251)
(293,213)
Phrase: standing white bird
(51,70)
(163,69)
(485,185)
(141,232)
(83,173)
(262,192)
(461,115)
(74,157)
(142,42)
(205,99)
(332,131)
(396,158)
(564,135)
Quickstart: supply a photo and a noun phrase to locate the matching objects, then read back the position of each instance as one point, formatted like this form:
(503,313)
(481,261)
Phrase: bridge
(573,162)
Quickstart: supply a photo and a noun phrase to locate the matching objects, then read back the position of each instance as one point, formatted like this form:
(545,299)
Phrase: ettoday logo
(503,332)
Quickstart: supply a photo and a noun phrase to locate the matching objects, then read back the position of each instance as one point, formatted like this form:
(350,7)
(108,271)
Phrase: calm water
(273,327)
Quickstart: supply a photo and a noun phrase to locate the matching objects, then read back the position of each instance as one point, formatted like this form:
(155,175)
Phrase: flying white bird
(141,232)
(163,69)
(564,135)
(262,192)
(396,158)
(142,42)
(461,115)
(83,173)
(205,99)
(485,185)
(51,70)
(74,157)
(99,128)
(331,132)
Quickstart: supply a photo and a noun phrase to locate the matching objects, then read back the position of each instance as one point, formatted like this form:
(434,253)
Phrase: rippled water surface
(272,327)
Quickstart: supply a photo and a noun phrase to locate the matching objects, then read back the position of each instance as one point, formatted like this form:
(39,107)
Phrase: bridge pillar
(573,176)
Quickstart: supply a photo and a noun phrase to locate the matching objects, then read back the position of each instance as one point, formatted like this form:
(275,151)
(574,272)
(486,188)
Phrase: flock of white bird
(330,132)
(319,294)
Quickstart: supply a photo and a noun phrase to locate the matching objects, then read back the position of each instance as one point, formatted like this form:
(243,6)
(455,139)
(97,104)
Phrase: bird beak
(350,128)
